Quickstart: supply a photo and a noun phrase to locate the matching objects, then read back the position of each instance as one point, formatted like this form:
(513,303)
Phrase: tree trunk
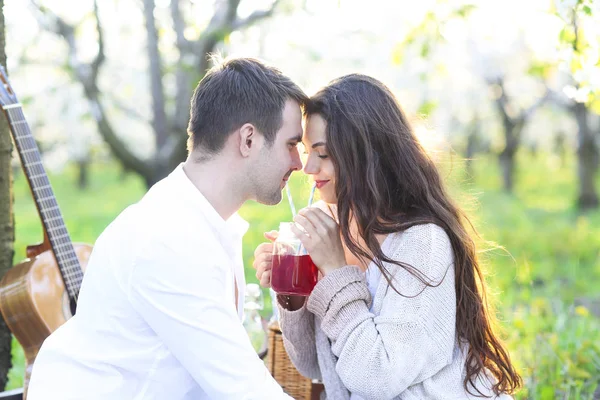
(513,126)
(469,154)
(512,133)
(587,160)
(7,229)
(560,148)
(159,117)
(472,147)
(507,166)
(83,173)
(169,130)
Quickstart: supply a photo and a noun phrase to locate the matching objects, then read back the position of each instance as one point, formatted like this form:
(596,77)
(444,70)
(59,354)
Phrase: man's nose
(296,161)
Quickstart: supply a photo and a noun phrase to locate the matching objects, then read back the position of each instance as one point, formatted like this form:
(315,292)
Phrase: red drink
(293,275)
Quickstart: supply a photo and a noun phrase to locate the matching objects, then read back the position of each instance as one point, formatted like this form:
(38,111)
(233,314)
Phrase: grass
(544,284)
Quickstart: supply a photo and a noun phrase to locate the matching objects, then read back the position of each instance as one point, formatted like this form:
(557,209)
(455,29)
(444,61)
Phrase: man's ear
(249,138)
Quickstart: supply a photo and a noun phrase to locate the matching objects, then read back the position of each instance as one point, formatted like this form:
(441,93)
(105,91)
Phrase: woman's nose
(312,166)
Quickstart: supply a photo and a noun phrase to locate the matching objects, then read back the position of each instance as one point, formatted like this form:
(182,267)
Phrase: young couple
(399,312)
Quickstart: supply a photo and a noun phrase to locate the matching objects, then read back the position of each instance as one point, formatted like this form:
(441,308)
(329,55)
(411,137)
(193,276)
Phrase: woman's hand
(321,238)
(263,260)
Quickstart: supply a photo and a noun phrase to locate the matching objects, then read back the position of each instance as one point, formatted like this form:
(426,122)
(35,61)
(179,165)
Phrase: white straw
(310,200)
(312,194)
(289,196)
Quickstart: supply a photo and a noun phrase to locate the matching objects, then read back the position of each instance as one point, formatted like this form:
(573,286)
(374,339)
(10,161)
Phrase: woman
(400,310)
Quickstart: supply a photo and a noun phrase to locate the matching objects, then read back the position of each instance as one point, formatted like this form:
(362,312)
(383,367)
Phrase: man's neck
(211,178)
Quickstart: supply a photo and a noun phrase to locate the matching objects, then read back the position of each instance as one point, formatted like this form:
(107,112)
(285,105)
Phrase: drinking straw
(289,196)
(310,200)
(312,194)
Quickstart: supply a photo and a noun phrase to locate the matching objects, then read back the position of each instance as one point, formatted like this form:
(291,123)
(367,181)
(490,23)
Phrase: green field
(545,284)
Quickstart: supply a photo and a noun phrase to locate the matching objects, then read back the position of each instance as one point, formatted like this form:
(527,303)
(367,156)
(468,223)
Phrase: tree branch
(130,112)
(502,104)
(100,57)
(223,23)
(87,75)
(159,117)
(254,17)
(183,44)
(117,147)
(218,27)
(527,113)
(183,78)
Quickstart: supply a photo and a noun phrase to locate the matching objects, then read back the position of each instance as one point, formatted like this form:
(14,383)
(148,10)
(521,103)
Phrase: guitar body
(34,302)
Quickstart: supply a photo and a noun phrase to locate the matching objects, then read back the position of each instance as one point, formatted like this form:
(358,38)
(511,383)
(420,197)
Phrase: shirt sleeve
(184,299)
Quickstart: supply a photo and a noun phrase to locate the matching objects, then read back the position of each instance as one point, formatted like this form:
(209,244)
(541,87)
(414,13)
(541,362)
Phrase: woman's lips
(320,184)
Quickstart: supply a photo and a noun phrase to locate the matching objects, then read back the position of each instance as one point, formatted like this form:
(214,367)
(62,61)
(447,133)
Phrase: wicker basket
(284,372)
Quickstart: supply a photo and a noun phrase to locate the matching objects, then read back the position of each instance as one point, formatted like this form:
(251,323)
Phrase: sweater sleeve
(298,330)
(413,336)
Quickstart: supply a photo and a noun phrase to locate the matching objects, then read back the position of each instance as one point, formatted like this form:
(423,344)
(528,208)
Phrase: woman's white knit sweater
(406,348)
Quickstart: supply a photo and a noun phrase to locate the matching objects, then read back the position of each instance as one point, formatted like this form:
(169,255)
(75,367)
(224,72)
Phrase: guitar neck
(52,219)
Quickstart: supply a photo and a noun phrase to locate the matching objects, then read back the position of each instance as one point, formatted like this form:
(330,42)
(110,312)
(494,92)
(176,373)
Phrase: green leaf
(575,64)
(425,49)
(465,10)
(547,393)
(587,10)
(427,107)
(567,35)
(594,105)
(580,373)
(540,69)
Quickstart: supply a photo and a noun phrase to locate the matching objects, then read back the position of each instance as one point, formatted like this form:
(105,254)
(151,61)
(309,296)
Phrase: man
(160,307)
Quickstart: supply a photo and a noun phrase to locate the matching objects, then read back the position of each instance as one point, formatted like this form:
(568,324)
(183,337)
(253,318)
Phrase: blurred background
(505,96)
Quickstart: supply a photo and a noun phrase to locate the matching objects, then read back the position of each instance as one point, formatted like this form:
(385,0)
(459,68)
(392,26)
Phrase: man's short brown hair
(235,92)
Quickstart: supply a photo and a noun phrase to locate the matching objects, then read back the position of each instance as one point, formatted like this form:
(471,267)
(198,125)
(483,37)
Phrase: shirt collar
(233,228)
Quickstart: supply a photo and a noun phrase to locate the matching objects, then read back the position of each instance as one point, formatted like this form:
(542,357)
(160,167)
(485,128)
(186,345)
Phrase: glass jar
(293,271)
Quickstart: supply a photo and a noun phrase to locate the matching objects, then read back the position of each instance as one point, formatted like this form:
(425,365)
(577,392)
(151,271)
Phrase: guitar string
(48,205)
(43,193)
(49,208)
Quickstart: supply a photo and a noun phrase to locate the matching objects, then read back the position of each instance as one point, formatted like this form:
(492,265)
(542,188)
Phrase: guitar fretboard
(43,195)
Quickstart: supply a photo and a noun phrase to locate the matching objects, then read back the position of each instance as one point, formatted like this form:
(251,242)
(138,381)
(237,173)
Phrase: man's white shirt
(156,316)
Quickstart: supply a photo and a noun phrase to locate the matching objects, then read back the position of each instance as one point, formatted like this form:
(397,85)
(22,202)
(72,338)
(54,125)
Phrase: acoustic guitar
(39,294)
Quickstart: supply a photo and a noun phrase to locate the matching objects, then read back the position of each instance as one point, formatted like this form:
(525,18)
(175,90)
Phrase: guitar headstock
(7,95)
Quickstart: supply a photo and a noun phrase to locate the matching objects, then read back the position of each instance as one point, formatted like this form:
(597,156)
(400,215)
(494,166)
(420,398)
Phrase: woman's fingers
(263,272)
(303,235)
(307,228)
(271,235)
(263,258)
(316,223)
(262,262)
(322,239)
(265,279)
(263,248)
(318,218)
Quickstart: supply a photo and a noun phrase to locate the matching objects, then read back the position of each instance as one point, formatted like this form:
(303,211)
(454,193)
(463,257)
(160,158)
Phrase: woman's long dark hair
(387,183)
